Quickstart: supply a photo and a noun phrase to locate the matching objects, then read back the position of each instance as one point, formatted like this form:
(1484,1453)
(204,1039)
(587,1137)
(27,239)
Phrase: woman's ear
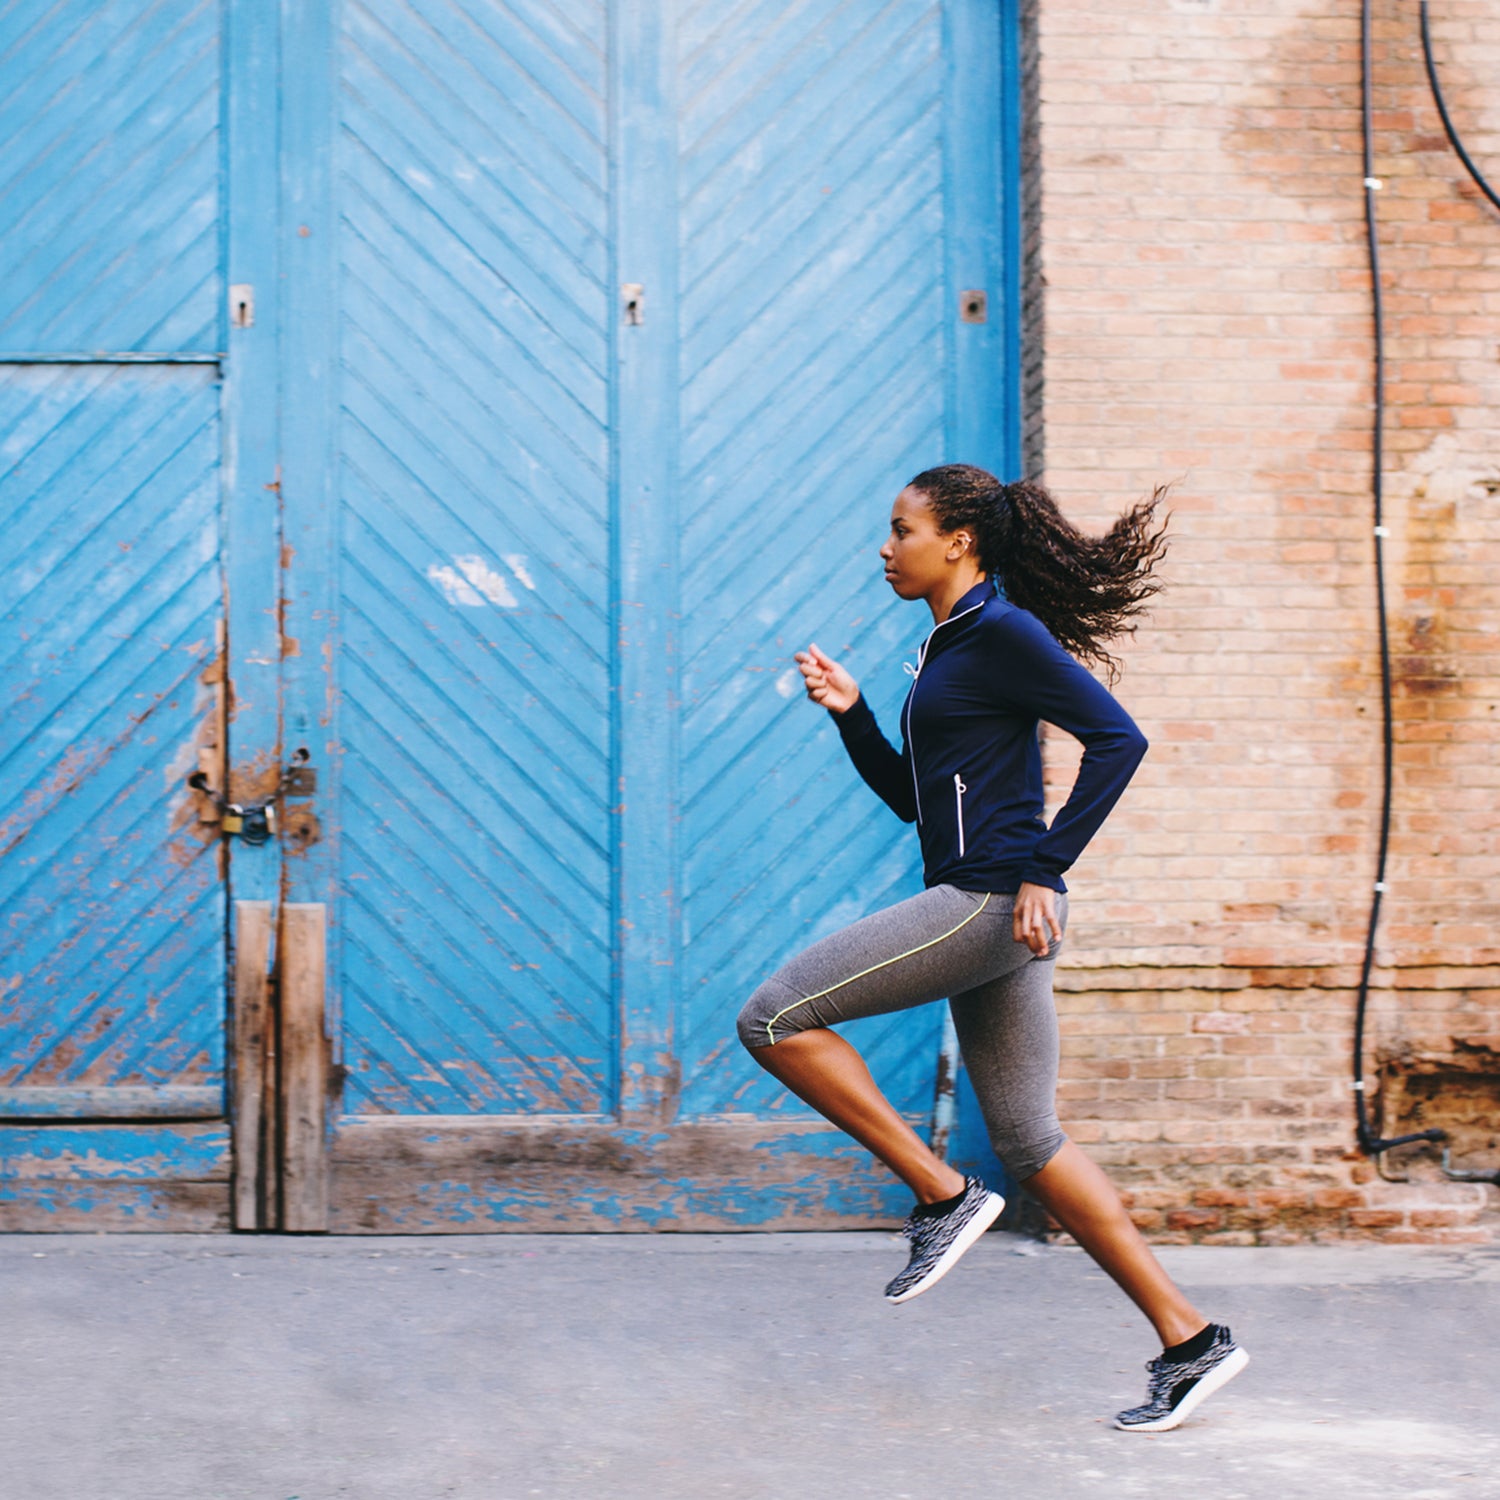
(960,545)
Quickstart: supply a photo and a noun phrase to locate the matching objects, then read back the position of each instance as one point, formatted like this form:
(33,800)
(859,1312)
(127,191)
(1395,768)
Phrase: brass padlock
(233,820)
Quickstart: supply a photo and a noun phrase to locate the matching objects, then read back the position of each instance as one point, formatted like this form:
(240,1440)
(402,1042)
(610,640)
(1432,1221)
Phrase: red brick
(1194,1219)
(1338,1198)
(1375,1218)
(1220,1198)
(1438,1218)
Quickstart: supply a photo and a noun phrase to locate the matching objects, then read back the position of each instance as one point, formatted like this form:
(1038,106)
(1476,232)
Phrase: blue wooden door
(627,323)
(489,398)
(112,893)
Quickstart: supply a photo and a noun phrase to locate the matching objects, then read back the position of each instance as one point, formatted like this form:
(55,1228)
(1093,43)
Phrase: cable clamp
(1382,531)
(1358,1085)
(1380,885)
(1374,184)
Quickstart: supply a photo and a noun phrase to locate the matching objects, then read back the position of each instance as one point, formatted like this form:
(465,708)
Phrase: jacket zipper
(958,796)
(916,790)
(916,673)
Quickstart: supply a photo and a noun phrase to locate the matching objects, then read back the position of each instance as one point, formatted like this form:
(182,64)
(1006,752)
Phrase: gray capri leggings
(945,942)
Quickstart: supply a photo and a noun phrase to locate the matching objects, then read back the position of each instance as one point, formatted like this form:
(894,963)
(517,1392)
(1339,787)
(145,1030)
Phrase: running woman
(1013,589)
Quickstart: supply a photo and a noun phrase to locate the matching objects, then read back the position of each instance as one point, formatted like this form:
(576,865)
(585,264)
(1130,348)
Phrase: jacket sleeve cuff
(856,720)
(1034,876)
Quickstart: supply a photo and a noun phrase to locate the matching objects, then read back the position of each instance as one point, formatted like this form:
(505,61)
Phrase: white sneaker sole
(1216,1379)
(989,1211)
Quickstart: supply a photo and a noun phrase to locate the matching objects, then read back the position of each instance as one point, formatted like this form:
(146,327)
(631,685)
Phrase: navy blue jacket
(969,772)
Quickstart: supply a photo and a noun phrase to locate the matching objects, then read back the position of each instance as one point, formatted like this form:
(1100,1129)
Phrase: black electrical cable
(1370,1143)
(1442,108)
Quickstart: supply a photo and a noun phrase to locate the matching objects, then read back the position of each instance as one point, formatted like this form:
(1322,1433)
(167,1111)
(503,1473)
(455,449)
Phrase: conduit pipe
(1369,1142)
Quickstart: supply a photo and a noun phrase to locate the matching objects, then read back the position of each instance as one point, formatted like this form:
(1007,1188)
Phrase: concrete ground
(188,1367)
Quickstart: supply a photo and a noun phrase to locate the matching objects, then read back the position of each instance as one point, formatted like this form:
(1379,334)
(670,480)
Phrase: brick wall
(1203,282)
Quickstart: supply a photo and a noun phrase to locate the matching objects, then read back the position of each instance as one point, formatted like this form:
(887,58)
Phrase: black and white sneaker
(938,1240)
(1178,1387)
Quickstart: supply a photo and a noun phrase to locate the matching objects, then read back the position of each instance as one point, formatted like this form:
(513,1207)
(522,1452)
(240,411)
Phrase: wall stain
(1440,473)
(1456,1089)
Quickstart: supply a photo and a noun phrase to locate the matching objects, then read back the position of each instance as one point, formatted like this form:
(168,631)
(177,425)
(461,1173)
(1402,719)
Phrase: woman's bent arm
(1049,683)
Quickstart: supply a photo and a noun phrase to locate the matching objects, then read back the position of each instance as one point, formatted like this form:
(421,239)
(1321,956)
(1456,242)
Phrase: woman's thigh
(1007,1032)
(940,943)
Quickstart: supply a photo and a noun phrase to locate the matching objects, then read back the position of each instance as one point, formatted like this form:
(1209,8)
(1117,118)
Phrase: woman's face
(919,559)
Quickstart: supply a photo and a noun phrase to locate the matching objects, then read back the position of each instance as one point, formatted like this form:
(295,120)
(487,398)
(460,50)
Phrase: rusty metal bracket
(1463,1174)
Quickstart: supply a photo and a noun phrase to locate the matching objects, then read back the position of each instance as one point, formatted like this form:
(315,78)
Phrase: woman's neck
(941,603)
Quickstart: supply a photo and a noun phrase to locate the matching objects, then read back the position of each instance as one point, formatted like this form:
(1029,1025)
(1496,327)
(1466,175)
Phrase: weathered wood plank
(53,1206)
(252,956)
(466,1175)
(302,1054)
(113,1102)
(189,1152)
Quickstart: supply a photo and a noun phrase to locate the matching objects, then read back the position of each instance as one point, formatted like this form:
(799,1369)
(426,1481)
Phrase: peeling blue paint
(158,1153)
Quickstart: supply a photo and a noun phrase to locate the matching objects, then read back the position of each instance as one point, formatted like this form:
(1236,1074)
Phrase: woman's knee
(1026,1149)
(764,1017)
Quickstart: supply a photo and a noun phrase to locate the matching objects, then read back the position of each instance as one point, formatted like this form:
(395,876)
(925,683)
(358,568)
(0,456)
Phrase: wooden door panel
(814,349)
(475,950)
(112,892)
(113,915)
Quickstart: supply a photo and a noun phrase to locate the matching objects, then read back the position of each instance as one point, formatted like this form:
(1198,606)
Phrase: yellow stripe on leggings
(874,968)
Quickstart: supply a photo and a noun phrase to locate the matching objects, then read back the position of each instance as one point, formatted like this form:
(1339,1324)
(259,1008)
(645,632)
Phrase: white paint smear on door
(472,582)
(516,562)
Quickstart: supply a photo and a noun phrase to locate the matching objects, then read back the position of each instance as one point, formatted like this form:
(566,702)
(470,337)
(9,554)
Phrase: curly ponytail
(1085,589)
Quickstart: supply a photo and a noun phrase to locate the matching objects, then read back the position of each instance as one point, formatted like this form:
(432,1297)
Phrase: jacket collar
(976,595)
(968,604)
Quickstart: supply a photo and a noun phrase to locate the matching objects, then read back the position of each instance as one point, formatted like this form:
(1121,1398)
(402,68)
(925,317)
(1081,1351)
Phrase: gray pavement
(194,1367)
